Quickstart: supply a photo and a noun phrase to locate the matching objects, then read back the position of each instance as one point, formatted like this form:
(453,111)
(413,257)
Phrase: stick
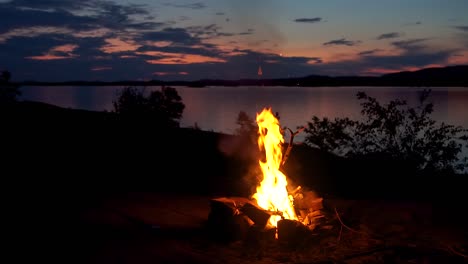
(347,227)
(451,249)
(288,150)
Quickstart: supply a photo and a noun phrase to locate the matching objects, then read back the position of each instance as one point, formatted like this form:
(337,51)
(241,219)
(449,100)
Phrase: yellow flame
(272,194)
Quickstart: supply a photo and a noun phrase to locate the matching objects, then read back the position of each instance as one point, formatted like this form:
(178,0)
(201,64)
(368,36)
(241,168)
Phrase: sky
(114,40)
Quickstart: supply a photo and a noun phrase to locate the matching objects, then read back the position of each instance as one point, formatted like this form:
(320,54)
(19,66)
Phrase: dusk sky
(112,40)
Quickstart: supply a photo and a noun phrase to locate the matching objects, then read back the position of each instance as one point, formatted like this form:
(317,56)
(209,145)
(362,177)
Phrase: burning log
(225,221)
(306,200)
(258,215)
(292,231)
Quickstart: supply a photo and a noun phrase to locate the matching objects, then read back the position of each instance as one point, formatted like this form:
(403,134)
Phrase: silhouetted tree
(8,92)
(164,107)
(247,129)
(393,130)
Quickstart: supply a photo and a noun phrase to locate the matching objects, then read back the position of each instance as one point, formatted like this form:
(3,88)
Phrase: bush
(8,91)
(394,131)
(164,107)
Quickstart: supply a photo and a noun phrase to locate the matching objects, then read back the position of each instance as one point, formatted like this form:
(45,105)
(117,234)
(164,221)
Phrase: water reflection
(216,108)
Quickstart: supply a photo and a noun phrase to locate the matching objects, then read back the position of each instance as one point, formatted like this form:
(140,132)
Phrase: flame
(272,194)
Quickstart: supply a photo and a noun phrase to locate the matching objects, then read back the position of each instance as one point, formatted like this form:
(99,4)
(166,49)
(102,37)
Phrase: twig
(451,249)
(347,227)
(339,235)
(291,139)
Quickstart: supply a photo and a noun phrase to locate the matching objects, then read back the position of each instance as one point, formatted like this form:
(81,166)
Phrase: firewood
(308,200)
(292,231)
(225,221)
(258,215)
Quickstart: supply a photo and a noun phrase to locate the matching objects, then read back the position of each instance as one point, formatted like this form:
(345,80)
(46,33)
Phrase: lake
(216,108)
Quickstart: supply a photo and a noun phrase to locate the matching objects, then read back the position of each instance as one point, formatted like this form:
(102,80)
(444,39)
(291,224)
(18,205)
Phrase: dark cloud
(417,23)
(308,20)
(342,41)
(220,13)
(213,31)
(368,52)
(177,35)
(196,5)
(16,18)
(58,13)
(462,28)
(51,4)
(389,35)
(411,44)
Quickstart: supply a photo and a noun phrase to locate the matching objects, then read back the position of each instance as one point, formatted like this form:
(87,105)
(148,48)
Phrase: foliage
(247,127)
(393,130)
(164,107)
(8,91)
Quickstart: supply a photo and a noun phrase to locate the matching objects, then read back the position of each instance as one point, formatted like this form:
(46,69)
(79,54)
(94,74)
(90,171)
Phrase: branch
(347,227)
(288,150)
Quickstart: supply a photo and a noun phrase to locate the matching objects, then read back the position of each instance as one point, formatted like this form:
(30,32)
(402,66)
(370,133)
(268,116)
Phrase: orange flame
(272,194)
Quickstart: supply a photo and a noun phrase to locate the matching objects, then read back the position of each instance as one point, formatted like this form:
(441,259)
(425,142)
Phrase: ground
(162,228)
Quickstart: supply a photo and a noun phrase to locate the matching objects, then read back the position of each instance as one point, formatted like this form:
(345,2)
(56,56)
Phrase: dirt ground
(157,228)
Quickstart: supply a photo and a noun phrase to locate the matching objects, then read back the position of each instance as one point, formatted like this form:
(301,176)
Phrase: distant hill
(444,76)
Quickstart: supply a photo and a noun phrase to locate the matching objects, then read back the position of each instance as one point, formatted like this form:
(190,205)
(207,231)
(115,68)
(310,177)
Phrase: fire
(272,194)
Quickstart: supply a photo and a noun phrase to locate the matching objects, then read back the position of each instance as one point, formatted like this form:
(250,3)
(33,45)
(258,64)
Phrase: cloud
(410,44)
(369,52)
(389,35)
(214,31)
(76,15)
(179,59)
(116,45)
(342,41)
(101,68)
(462,28)
(57,53)
(416,23)
(170,73)
(175,35)
(196,5)
(220,13)
(308,20)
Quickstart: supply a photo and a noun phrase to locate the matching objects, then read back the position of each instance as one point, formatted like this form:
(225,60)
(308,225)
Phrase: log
(308,200)
(225,221)
(258,215)
(292,231)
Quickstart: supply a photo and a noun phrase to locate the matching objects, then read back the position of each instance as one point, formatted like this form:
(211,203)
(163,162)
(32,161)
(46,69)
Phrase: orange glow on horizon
(101,68)
(407,68)
(177,58)
(115,45)
(170,73)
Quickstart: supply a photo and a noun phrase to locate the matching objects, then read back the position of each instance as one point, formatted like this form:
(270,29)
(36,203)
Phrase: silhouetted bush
(164,107)
(248,128)
(8,92)
(393,131)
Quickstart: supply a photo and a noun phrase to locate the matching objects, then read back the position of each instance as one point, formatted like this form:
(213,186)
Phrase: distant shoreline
(452,76)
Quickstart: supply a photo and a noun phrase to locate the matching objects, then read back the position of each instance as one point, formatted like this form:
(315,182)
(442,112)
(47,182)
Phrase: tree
(8,92)
(164,107)
(247,127)
(5,76)
(393,130)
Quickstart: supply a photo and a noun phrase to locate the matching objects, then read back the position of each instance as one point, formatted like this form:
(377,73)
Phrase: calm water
(216,108)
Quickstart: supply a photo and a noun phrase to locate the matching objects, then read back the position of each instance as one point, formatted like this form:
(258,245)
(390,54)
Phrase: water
(216,108)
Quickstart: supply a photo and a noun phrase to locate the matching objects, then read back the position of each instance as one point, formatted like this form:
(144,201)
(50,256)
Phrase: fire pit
(272,212)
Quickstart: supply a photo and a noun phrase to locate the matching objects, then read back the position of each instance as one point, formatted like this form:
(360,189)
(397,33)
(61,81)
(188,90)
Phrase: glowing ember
(272,194)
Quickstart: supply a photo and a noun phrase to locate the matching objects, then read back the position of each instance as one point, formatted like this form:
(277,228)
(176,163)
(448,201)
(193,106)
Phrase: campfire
(272,211)
(272,193)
